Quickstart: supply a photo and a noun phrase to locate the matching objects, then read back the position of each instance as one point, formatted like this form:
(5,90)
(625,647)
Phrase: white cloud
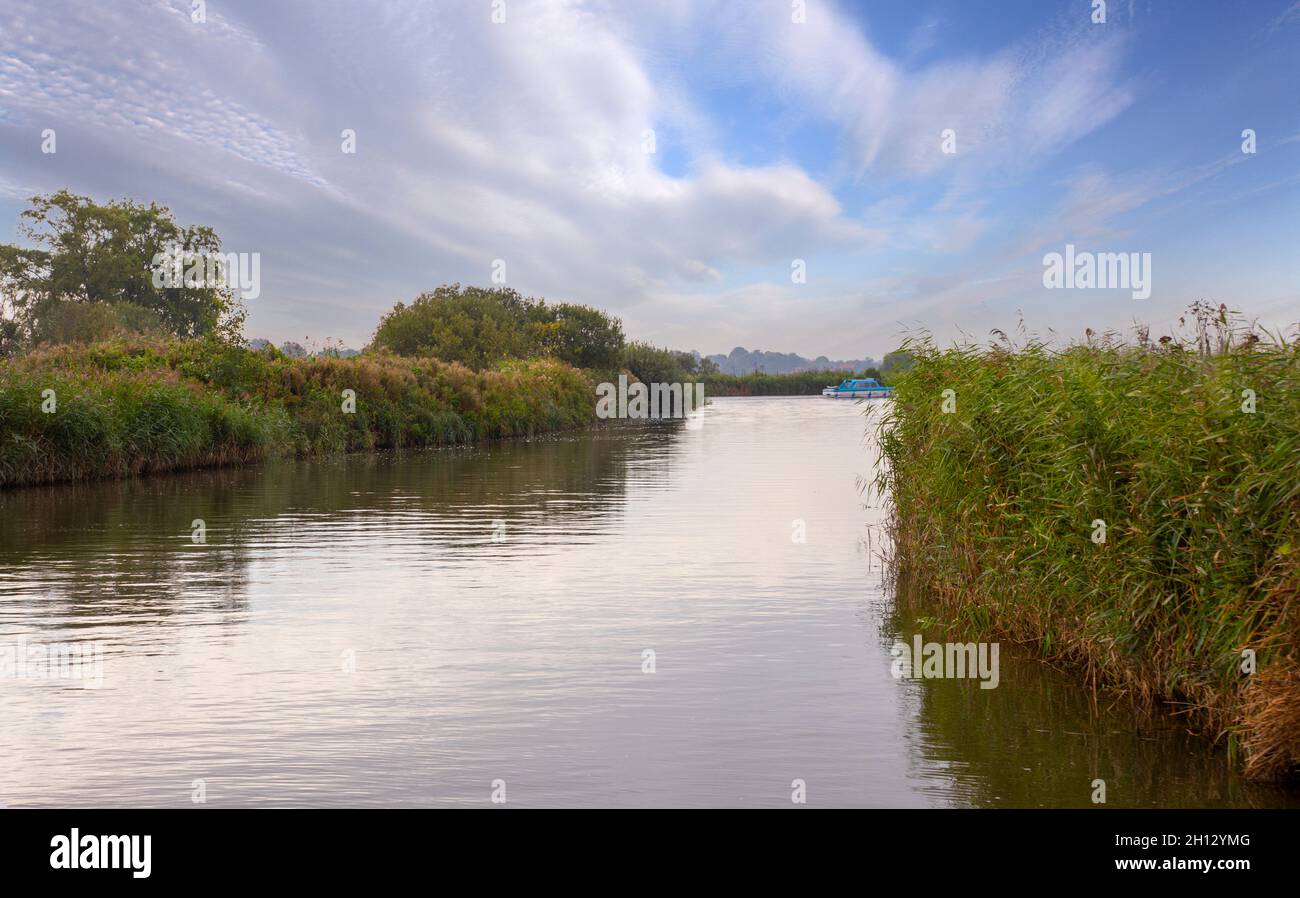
(524,142)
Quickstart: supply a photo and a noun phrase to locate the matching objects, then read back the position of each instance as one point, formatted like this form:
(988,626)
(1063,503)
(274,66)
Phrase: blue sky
(774,140)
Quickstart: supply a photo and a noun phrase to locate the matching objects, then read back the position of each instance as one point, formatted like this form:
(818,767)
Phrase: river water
(641,615)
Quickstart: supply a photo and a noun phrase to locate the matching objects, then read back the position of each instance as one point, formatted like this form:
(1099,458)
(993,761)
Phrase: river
(638,615)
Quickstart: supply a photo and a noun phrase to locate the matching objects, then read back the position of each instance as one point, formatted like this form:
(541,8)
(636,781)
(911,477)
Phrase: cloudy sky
(670,160)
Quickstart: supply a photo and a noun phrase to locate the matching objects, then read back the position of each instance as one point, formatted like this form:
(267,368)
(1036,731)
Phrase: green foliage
(85,253)
(579,335)
(797,383)
(895,363)
(57,321)
(994,507)
(124,407)
(652,364)
(481,327)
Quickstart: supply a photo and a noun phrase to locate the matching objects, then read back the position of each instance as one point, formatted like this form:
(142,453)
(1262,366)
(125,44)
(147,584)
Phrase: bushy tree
(472,325)
(895,363)
(580,335)
(77,322)
(482,326)
(87,253)
(651,364)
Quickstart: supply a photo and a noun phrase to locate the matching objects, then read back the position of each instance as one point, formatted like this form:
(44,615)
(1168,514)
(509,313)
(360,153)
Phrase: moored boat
(859,388)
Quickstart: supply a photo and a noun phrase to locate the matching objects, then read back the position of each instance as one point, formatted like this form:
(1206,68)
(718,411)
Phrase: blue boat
(859,388)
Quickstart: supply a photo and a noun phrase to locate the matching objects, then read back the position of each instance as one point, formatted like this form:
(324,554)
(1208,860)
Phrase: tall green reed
(1129,508)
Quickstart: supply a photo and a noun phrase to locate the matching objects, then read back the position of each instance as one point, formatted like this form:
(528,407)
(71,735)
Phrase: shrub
(127,407)
(481,327)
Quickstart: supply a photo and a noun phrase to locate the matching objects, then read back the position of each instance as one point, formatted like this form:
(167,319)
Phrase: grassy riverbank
(124,408)
(1001,499)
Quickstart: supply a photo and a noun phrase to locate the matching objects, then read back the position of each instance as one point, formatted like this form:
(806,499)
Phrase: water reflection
(634,616)
(1038,740)
(123,551)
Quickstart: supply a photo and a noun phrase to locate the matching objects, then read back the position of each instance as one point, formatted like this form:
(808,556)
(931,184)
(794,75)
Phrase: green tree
(895,362)
(650,364)
(482,326)
(475,326)
(76,322)
(580,335)
(88,253)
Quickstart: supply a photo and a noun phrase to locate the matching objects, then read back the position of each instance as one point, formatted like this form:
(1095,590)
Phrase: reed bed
(1000,495)
(129,407)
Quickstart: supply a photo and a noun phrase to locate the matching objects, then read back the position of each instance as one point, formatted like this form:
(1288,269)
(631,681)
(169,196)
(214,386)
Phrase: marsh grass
(132,407)
(993,507)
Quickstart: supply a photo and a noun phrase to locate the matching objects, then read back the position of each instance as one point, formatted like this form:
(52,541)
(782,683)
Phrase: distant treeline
(798,383)
(743,361)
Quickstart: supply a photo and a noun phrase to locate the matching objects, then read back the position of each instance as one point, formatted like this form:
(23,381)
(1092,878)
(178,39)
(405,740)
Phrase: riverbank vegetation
(652,364)
(128,407)
(1131,509)
(797,383)
(114,368)
(481,327)
(122,332)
